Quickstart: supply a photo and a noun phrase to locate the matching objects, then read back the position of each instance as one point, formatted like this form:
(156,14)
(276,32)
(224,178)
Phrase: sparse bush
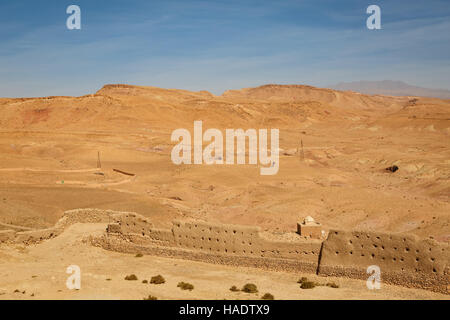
(268,296)
(302,279)
(234,289)
(159,279)
(139,255)
(131,277)
(144,281)
(308,285)
(150,297)
(185,286)
(250,288)
(332,285)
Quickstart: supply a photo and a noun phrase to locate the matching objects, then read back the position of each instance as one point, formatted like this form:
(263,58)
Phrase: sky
(219,45)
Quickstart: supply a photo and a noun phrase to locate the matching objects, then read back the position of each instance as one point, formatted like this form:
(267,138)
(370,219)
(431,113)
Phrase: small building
(309,228)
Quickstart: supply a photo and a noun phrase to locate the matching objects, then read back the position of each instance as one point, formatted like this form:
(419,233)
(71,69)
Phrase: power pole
(99,164)
(302,155)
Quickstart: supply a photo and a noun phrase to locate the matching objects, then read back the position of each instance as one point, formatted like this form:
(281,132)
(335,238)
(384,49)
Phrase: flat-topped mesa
(135,90)
(118,85)
(277,91)
(125,89)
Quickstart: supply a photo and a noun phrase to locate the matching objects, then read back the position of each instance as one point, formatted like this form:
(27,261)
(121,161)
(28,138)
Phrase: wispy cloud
(216,45)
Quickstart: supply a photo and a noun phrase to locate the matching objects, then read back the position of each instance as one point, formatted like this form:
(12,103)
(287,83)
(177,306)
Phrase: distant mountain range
(391,88)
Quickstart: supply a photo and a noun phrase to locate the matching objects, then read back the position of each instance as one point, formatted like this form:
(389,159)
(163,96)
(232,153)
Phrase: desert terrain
(335,147)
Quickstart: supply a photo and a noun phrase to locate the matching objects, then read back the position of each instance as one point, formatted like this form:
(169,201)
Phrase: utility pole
(302,154)
(99,164)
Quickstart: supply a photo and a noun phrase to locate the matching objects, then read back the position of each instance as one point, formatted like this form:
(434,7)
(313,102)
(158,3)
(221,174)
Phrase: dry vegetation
(185,286)
(159,279)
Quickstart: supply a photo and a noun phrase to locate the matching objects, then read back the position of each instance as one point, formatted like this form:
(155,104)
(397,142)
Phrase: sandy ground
(48,164)
(38,272)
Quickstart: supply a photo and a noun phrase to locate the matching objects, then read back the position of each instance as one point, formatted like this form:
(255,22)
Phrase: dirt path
(48,170)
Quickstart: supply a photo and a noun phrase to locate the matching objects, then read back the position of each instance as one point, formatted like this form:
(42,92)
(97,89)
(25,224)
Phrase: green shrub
(131,277)
(185,286)
(268,296)
(250,288)
(159,279)
(150,297)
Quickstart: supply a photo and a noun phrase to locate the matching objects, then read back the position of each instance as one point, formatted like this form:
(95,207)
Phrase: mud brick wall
(87,215)
(210,238)
(133,223)
(217,238)
(305,251)
(34,236)
(6,235)
(403,259)
(162,237)
(69,217)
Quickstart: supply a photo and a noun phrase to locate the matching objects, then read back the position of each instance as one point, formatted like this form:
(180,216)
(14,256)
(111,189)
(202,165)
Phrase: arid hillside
(334,148)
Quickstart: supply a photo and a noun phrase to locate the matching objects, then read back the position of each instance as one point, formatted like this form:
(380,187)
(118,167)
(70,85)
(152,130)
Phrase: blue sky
(219,45)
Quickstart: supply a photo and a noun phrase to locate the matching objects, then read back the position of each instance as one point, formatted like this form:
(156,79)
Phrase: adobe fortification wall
(69,217)
(403,259)
(210,237)
(218,243)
